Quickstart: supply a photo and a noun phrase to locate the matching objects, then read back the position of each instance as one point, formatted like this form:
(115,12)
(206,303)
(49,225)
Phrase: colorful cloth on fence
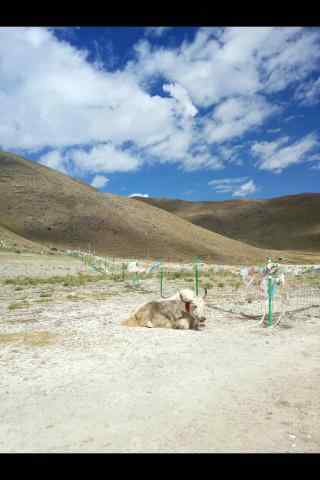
(153,267)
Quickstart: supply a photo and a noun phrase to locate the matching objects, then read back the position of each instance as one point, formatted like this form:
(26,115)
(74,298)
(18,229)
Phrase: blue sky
(192,113)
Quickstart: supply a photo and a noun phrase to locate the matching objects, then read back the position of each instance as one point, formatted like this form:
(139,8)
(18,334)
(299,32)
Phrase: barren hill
(284,223)
(48,208)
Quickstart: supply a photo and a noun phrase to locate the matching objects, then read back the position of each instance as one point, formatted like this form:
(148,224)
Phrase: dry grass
(16,306)
(31,339)
(285,223)
(75,298)
(65,280)
(21,320)
(55,210)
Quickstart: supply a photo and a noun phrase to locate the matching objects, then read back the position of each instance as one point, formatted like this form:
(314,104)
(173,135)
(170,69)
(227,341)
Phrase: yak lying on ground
(184,310)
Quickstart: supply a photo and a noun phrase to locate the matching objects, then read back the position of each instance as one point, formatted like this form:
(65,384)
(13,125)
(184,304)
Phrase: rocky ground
(74,380)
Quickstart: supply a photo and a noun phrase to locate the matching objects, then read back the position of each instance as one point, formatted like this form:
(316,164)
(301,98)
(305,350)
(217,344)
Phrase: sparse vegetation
(45,294)
(119,226)
(67,280)
(277,223)
(32,339)
(15,306)
(75,298)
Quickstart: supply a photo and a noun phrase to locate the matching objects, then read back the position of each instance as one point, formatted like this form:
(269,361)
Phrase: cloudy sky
(191,113)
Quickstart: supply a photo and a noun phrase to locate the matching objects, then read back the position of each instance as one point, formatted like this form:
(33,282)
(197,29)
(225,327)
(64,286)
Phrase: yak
(184,310)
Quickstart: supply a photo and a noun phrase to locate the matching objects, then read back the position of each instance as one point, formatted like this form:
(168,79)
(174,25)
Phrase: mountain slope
(43,206)
(52,209)
(284,223)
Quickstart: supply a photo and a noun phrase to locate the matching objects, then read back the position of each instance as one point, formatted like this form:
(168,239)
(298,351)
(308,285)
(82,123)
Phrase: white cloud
(183,100)
(246,189)
(144,195)
(103,158)
(202,161)
(244,61)
(226,185)
(238,187)
(99,181)
(308,93)
(236,116)
(276,156)
(267,149)
(53,97)
(294,59)
(55,160)
(274,130)
(156,31)
(173,148)
(313,158)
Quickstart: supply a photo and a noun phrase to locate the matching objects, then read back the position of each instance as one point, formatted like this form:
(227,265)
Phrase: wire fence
(227,290)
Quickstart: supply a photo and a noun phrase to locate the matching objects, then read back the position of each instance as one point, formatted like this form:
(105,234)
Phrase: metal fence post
(197,278)
(161,280)
(270,295)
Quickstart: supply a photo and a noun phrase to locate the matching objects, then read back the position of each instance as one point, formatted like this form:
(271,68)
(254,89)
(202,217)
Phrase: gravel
(100,387)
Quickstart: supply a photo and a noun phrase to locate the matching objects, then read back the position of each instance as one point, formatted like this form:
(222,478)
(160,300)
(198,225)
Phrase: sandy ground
(92,385)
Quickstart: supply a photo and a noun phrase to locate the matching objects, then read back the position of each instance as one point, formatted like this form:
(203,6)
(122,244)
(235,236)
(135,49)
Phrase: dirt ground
(72,379)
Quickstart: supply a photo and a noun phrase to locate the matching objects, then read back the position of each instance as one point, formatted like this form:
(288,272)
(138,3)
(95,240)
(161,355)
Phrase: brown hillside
(52,209)
(284,223)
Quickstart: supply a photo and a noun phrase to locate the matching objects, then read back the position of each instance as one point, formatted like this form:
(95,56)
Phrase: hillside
(284,223)
(44,206)
(49,209)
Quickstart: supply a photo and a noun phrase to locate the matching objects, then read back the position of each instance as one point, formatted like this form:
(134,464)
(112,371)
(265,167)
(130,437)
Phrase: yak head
(194,305)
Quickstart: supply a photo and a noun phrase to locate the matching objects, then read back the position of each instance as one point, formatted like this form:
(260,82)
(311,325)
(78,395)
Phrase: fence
(227,292)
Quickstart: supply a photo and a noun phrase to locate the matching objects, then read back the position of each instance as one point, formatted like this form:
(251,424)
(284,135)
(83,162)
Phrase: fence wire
(250,302)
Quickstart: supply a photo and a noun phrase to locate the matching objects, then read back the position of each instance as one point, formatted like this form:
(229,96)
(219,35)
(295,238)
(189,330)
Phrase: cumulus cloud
(181,95)
(202,160)
(172,148)
(274,130)
(55,160)
(238,187)
(246,189)
(308,93)
(103,158)
(54,98)
(278,155)
(235,116)
(144,195)
(226,185)
(222,63)
(156,31)
(99,181)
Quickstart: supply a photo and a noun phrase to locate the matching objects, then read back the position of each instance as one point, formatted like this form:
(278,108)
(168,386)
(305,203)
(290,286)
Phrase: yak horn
(205,293)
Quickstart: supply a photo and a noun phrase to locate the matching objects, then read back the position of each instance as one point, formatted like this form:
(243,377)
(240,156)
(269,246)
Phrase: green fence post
(197,280)
(161,280)
(270,294)
(135,279)
(123,272)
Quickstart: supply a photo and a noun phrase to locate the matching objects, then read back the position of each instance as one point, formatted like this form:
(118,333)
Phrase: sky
(205,113)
